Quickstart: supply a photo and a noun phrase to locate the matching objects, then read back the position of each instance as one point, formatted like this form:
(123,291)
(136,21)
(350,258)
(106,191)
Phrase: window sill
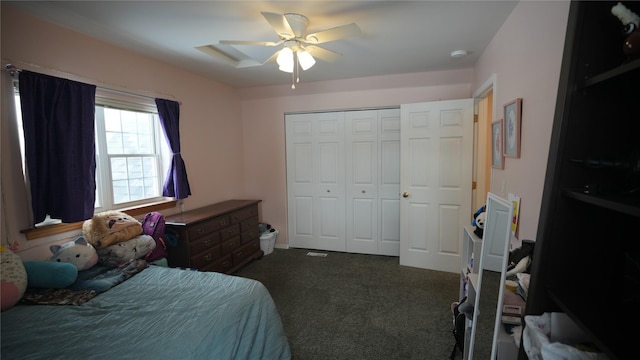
(37,233)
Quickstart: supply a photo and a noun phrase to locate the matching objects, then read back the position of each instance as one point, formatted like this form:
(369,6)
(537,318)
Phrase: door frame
(487,89)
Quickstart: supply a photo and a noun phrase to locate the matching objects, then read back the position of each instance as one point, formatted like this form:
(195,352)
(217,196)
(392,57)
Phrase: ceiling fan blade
(229,55)
(322,53)
(280,24)
(241,42)
(272,58)
(333,34)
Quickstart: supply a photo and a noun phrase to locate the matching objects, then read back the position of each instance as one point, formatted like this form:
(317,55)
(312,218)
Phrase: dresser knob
(207,257)
(207,242)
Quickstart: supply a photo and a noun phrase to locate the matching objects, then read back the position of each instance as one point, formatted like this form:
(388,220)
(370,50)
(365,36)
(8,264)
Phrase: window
(131,152)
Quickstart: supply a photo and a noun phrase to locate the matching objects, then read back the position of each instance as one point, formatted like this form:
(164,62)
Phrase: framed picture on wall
(512,124)
(497,156)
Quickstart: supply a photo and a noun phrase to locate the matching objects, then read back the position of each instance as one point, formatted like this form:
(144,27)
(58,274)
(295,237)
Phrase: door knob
(405,194)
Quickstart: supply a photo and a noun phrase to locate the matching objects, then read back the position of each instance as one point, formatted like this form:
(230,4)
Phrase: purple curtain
(58,117)
(176,185)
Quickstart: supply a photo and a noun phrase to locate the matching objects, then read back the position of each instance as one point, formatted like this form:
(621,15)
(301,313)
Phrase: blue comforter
(160,313)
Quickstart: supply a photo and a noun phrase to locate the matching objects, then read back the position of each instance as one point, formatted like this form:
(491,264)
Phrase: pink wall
(210,122)
(526,55)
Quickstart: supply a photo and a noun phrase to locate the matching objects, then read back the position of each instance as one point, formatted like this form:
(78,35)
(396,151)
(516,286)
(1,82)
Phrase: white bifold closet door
(316,180)
(343,181)
(373,181)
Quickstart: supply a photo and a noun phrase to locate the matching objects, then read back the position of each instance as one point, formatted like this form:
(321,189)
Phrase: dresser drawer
(203,243)
(208,226)
(249,224)
(249,235)
(245,213)
(229,232)
(226,247)
(205,258)
(222,265)
(245,251)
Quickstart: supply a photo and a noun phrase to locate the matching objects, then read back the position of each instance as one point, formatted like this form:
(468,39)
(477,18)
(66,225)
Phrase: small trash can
(268,240)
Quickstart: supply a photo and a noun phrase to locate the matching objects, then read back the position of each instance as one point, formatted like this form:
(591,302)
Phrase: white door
(436,140)
(315,180)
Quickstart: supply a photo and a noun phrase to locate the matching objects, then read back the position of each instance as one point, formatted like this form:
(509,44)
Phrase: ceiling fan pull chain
(297,65)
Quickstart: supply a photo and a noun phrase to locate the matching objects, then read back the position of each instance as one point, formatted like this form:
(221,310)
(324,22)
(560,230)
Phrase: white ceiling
(397,36)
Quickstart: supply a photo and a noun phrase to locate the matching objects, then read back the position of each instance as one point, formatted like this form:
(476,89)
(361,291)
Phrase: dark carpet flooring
(353,306)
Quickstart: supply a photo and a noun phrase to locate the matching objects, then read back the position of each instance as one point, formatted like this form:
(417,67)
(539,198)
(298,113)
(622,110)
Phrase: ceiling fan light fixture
(285,60)
(305,59)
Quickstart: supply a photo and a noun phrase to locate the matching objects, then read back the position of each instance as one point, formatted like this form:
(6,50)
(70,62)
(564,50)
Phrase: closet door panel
(301,190)
(389,182)
(330,184)
(315,180)
(361,137)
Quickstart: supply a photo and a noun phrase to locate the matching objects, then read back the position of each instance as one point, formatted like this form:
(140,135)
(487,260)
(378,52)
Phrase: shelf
(506,345)
(629,205)
(597,324)
(585,250)
(473,280)
(613,73)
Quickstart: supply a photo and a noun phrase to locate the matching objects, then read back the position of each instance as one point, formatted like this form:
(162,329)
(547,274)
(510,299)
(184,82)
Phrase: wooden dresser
(221,237)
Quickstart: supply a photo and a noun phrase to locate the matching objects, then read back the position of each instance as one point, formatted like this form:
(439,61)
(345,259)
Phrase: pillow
(13,279)
(49,274)
(79,253)
(122,252)
(110,227)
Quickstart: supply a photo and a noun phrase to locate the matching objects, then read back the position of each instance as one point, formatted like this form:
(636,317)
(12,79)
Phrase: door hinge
(473,185)
(475,118)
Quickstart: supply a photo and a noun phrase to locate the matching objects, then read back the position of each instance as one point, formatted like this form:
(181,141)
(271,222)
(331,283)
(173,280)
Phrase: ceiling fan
(299,47)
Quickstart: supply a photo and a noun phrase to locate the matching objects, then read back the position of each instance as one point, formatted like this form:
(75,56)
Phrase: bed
(158,313)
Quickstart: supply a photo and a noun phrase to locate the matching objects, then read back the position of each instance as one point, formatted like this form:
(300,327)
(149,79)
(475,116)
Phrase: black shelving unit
(586,260)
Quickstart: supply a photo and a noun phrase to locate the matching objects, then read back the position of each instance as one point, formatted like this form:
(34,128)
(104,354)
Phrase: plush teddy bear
(124,251)
(78,252)
(110,227)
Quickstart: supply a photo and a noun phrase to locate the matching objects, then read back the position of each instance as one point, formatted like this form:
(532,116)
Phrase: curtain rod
(12,69)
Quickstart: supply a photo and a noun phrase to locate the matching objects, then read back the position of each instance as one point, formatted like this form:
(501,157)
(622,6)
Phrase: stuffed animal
(13,282)
(110,227)
(124,251)
(520,258)
(478,221)
(78,252)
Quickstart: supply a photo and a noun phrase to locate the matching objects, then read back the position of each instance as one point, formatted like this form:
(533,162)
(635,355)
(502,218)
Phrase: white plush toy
(79,253)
